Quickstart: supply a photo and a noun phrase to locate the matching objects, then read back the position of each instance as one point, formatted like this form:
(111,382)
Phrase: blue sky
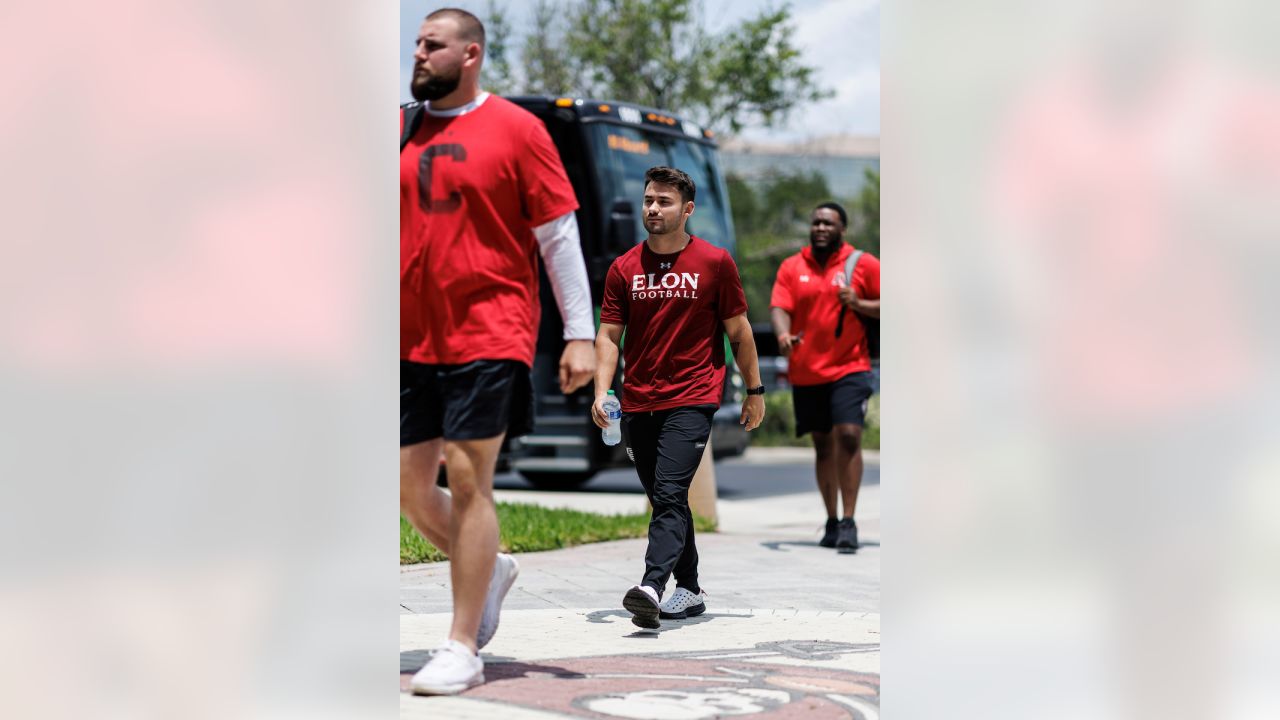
(841,38)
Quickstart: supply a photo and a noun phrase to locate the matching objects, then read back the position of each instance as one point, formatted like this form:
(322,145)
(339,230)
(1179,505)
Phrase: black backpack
(870,325)
(412,121)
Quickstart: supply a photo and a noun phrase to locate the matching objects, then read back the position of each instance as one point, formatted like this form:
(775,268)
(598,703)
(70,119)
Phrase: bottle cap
(609,393)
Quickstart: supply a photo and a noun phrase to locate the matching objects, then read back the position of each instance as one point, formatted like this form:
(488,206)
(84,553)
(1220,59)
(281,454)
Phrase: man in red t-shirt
(676,296)
(482,194)
(813,306)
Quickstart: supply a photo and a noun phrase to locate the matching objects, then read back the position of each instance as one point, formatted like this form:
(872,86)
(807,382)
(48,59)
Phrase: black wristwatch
(756,390)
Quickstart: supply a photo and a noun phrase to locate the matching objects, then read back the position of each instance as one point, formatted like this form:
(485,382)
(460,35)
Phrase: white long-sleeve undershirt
(561,250)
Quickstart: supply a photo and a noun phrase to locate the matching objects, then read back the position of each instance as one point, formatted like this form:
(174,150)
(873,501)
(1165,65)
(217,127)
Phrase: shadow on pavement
(495,666)
(671,625)
(777,545)
(603,616)
(517,670)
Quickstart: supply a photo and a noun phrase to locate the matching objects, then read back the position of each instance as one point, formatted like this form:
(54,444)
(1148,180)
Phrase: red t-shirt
(673,308)
(472,188)
(808,292)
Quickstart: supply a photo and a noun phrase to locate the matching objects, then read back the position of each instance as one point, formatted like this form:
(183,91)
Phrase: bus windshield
(623,153)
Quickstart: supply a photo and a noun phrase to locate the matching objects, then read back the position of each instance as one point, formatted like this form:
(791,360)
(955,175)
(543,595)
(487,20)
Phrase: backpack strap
(412,114)
(850,263)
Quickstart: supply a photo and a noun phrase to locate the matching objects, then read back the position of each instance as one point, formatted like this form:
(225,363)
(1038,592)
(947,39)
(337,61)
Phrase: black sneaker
(642,602)
(847,540)
(829,537)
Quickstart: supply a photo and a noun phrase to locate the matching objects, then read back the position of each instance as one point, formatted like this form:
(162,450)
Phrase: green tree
(864,211)
(659,53)
(772,222)
(498,77)
(757,74)
(742,199)
(548,70)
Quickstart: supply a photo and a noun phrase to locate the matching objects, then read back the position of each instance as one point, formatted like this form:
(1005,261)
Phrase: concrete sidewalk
(791,628)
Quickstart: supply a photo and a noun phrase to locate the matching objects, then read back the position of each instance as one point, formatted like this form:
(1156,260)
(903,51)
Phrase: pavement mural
(774,679)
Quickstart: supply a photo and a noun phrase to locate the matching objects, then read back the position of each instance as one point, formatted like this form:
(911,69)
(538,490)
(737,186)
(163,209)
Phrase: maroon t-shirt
(673,308)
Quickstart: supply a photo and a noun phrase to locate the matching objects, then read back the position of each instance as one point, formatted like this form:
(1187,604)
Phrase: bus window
(623,154)
(709,220)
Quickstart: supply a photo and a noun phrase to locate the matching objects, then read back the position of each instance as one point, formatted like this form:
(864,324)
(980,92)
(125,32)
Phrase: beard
(433,87)
(832,241)
(658,226)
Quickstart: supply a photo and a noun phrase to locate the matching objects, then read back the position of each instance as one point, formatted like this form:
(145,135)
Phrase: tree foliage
(497,67)
(660,53)
(864,216)
(548,70)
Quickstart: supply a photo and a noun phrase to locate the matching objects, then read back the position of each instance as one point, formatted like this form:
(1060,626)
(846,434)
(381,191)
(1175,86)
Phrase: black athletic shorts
(820,407)
(473,401)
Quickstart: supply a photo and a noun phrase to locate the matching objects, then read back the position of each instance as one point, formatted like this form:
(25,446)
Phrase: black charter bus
(606,147)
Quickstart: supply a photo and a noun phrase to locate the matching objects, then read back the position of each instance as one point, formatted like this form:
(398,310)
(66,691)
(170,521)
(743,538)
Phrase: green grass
(871,433)
(779,426)
(529,528)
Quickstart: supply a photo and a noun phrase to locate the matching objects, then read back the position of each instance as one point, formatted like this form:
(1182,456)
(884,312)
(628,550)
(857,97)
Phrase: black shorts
(821,407)
(473,401)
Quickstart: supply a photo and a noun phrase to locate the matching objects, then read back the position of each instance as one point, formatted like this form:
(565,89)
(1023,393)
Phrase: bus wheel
(556,480)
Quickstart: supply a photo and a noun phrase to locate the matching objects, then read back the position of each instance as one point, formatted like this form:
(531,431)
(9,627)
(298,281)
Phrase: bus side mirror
(622,226)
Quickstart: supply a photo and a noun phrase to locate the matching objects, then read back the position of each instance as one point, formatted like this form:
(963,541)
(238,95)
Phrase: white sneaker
(504,575)
(642,602)
(451,669)
(683,604)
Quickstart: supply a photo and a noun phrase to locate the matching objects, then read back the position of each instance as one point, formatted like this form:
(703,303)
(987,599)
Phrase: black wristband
(756,390)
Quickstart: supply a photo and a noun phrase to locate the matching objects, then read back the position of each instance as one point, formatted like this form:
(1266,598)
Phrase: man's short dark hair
(678,179)
(469,26)
(844,216)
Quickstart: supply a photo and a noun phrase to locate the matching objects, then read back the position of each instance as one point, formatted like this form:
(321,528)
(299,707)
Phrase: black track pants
(667,446)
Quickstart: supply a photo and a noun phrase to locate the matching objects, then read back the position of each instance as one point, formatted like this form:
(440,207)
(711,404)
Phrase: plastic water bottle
(612,435)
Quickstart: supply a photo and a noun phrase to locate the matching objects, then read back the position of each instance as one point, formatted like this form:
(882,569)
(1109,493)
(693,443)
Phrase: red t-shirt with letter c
(472,188)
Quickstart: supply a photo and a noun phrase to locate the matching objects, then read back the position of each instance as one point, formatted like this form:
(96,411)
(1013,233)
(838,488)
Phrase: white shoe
(504,575)
(683,604)
(451,669)
(642,602)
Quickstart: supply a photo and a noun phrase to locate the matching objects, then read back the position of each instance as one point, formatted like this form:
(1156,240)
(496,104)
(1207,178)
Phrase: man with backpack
(825,309)
(482,194)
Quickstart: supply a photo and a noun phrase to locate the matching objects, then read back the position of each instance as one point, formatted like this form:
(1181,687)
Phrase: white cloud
(841,38)
(828,22)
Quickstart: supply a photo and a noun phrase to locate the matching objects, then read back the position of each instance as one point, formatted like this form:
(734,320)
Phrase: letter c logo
(428,204)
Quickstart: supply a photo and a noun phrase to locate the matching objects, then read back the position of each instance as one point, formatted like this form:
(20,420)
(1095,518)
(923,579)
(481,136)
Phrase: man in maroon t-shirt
(676,296)
(482,195)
